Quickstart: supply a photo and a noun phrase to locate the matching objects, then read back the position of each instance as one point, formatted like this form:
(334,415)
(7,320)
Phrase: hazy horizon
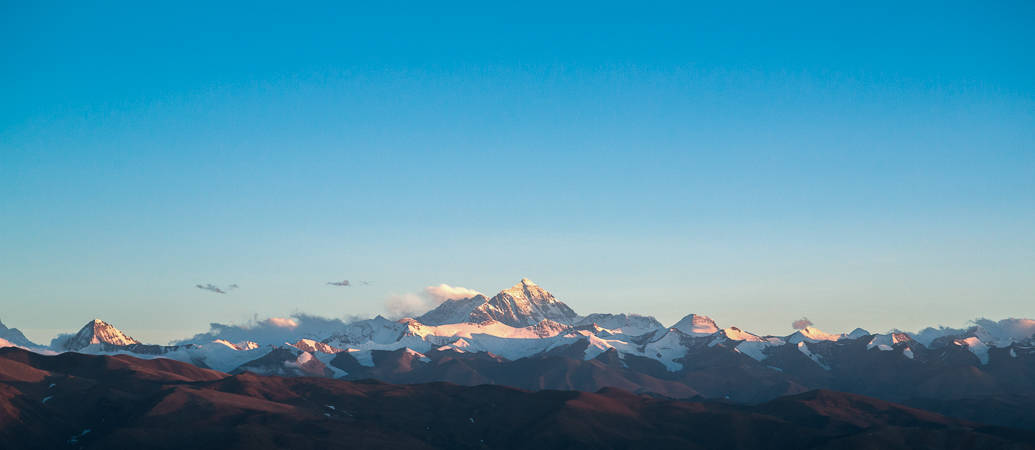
(863,166)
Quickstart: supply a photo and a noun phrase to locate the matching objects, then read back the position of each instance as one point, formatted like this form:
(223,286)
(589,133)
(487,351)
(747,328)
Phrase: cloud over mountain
(406,305)
(801,323)
(445,292)
(413,304)
(282,322)
(273,331)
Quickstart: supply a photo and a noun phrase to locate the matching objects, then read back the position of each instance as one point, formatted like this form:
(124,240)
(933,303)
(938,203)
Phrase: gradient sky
(866,166)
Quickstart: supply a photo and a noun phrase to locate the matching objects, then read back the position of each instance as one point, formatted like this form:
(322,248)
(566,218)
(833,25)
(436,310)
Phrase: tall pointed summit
(524,304)
(96,331)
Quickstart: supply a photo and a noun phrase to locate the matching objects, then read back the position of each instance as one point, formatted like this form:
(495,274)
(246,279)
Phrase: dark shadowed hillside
(100,402)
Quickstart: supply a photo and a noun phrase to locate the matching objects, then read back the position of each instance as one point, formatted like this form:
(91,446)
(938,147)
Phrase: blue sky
(864,166)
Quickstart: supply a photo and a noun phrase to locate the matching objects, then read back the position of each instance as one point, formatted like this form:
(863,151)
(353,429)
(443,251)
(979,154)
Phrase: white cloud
(282,322)
(445,292)
(1008,329)
(411,305)
(274,330)
(407,305)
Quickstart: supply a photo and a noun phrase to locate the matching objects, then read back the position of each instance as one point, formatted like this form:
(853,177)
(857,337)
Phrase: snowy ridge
(812,335)
(526,321)
(622,324)
(758,350)
(978,348)
(887,342)
(804,349)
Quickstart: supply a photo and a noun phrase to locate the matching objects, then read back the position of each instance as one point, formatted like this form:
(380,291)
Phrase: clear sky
(866,166)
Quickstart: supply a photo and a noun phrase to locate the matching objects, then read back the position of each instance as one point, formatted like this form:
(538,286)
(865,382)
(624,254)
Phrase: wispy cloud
(344,283)
(414,304)
(407,305)
(445,292)
(801,323)
(282,322)
(273,330)
(213,288)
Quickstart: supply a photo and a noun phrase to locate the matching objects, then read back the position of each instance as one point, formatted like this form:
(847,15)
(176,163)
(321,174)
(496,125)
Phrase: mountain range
(525,338)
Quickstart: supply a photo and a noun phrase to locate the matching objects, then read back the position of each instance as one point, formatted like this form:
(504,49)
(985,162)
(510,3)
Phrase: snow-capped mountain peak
(524,304)
(526,292)
(696,325)
(812,334)
(527,304)
(311,346)
(96,331)
(736,334)
(857,333)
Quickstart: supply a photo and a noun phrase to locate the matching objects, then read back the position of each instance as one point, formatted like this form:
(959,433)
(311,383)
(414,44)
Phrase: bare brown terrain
(100,402)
